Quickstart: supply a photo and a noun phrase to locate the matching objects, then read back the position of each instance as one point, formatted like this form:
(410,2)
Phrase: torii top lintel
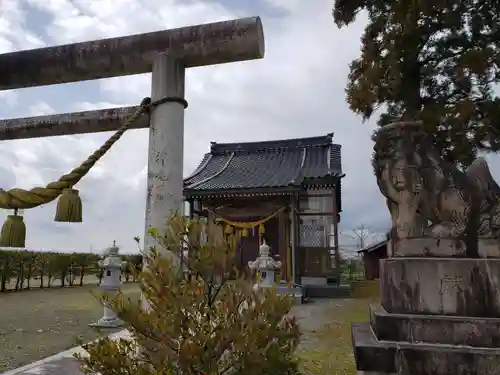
(199,45)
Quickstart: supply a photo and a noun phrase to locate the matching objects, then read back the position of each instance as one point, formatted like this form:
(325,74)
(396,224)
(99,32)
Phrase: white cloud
(13,27)
(14,35)
(40,109)
(81,20)
(91,106)
(9,97)
(297,90)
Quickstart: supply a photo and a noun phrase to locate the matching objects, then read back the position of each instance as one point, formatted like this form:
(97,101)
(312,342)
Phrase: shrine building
(286,192)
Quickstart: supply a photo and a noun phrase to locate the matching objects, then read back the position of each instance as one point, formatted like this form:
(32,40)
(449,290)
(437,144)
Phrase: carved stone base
(109,320)
(404,358)
(488,247)
(461,287)
(438,317)
(428,247)
(435,329)
(107,323)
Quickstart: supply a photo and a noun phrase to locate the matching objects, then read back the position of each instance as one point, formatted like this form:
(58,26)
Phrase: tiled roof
(269,164)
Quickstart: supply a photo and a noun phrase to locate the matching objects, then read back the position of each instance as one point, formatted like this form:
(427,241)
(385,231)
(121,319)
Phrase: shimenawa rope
(69,207)
(24,199)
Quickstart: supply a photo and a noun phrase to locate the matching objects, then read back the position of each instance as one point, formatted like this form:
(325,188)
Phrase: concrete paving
(60,364)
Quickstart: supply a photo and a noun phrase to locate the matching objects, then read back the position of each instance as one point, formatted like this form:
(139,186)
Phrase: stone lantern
(112,266)
(266,268)
(265,265)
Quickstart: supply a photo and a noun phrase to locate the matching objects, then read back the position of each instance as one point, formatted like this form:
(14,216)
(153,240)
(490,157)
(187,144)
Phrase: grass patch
(39,323)
(366,289)
(330,351)
(36,324)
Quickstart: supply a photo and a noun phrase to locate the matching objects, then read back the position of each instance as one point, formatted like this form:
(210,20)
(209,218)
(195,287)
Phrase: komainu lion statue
(428,197)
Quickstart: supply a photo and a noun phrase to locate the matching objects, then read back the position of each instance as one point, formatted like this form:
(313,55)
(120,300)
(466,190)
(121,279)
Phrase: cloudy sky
(297,90)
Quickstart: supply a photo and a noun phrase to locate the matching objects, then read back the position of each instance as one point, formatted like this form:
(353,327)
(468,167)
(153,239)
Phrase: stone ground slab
(389,357)
(60,364)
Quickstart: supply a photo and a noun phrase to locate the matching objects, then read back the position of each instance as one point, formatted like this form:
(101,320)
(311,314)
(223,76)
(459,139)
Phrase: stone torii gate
(164,53)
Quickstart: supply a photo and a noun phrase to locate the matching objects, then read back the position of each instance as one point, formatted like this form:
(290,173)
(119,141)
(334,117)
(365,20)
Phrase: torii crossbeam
(164,53)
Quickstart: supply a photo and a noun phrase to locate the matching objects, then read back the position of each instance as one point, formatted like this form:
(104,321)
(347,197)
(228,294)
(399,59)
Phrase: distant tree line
(23,270)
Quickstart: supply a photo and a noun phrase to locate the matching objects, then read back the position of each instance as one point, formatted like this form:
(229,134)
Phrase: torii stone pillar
(166,145)
(167,54)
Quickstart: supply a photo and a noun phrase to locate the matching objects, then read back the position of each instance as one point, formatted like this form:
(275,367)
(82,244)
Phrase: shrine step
(435,329)
(393,357)
(327,291)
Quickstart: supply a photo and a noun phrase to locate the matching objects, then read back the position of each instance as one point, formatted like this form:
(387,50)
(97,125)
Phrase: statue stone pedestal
(438,316)
(440,292)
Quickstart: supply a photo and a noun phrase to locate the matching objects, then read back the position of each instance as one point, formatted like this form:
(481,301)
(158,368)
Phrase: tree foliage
(203,318)
(18,268)
(431,60)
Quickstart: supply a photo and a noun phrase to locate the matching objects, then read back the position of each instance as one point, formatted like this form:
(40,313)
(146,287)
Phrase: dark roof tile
(267,164)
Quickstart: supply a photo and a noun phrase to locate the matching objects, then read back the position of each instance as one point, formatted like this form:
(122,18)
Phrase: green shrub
(203,318)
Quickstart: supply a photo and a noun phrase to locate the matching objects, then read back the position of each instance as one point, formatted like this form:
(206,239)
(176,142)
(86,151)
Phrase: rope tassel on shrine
(69,206)
(242,228)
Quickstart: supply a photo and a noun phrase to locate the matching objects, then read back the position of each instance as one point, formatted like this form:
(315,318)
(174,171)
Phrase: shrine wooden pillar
(336,220)
(283,245)
(191,209)
(294,238)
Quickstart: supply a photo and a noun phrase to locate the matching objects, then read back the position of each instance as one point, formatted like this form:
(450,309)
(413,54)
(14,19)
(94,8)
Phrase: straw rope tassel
(13,232)
(69,209)
(23,199)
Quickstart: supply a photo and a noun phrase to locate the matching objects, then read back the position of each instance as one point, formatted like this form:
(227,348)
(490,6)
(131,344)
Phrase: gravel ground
(35,324)
(314,317)
(39,323)
(326,345)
